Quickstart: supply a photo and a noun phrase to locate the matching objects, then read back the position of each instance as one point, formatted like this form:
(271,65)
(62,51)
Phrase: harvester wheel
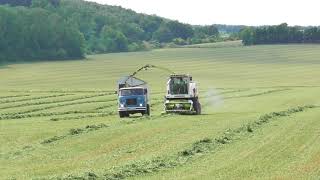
(198,110)
(197,106)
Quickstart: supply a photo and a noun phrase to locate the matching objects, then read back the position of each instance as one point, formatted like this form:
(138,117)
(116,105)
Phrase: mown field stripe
(25,114)
(34,98)
(55,101)
(201,147)
(14,96)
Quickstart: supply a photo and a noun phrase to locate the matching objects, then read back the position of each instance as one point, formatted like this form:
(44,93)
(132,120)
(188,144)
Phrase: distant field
(216,45)
(261,117)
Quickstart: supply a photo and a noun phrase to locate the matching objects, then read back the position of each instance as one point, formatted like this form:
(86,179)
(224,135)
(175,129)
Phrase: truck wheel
(122,114)
(148,110)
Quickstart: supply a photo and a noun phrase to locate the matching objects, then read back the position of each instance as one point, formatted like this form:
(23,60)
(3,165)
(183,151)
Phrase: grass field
(261,117)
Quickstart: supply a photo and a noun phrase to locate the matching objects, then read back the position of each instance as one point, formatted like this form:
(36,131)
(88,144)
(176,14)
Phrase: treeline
(28,34)
(230,29)
(27,2)
(115,29)
(63,29)
(280,34)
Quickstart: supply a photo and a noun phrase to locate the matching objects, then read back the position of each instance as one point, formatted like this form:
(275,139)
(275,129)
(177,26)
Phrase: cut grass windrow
(56,101)
(71,132)
(76,131)
(201,147)
(85,116)
(21,116)
(34,98)
(14,96)
(45,108)
(105,106)
(62,91)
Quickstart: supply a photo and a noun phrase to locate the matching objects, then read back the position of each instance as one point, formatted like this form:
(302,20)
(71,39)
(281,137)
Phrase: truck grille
(131,102)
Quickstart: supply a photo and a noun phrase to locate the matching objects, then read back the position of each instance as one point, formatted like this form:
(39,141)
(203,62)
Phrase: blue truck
(133,96)
(133,100)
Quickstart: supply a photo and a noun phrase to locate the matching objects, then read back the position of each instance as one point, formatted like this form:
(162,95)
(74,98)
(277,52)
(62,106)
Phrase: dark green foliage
(53,139)
(64,29)
(34,33)
(279,34)
(249,128)
(75,131)
(16,2)
(38,3)
(230,29)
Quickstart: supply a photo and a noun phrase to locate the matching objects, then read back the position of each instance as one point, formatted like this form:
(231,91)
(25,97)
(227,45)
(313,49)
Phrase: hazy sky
(247,12)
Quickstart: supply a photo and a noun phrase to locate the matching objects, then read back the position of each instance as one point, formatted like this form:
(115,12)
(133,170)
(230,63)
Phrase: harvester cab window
(131,92)
(179,85)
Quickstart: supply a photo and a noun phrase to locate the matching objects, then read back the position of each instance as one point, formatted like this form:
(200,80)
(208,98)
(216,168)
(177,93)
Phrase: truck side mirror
(145,91)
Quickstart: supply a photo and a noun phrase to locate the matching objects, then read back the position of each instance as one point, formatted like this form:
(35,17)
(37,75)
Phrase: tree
(133,32)
(16,2)
(114,41)
(36,33)
(211,30)
(180,30)
(248,36)
(280,34)
(163,34)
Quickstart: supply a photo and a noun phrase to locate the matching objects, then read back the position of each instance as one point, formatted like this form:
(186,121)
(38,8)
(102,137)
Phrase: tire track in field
(258,94)
(201,147)
(246,96)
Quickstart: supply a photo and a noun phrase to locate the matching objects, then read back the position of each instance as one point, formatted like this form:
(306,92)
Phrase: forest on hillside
(280,34)
(64,29)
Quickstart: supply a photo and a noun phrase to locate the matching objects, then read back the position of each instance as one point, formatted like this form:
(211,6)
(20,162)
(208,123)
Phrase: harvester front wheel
(197,106)
(198,110)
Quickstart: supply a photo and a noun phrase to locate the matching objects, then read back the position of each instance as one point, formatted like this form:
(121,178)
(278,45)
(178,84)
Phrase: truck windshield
(131,92)
(179,85)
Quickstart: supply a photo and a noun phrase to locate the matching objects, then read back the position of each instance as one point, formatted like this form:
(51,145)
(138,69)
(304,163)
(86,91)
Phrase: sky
(233,12)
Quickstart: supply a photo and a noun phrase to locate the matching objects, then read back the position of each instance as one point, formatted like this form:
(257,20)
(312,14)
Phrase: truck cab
(132,100)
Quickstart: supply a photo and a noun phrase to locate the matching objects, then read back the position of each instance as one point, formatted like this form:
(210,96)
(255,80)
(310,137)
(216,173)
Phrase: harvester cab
(182,95)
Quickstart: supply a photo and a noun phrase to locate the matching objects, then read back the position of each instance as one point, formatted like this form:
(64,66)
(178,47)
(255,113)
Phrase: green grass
(216,45)
(59,119)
